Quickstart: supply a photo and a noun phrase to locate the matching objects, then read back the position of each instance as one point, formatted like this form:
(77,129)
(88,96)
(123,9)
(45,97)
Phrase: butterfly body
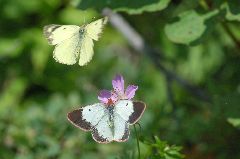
(110,111)
(74,43)
(108,123)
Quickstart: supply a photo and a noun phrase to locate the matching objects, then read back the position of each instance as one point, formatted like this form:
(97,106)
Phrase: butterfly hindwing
(127,113)
(86,51)
(56,34)
(102,132)
(67,52)
(121,129)
(95,28)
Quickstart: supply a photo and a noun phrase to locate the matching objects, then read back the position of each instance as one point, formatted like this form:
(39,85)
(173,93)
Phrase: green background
(199,41)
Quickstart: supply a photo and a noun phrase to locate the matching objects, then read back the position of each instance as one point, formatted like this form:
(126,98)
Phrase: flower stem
(137,141)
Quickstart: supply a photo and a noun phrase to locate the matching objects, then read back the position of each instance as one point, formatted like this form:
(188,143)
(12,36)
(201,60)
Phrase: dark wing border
(48,30)
(138,108)
(98,138)
(75,117)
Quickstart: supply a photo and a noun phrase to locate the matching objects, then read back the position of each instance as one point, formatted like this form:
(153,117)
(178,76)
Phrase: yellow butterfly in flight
(74,43)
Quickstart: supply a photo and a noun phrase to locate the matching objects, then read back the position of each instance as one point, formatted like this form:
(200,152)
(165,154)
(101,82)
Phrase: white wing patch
(98,117)
(67,51)
(121,129)
(86,51)
(106,131)
(93,113)
(124,108)
(87,117)
(95,28)
(56,34)
(102,132)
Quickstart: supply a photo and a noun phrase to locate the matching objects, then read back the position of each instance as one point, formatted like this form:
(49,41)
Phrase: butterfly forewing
(87,117)
(138,109)
(56,34)
(124,108)
(95,28)
(129,110)
(75,117)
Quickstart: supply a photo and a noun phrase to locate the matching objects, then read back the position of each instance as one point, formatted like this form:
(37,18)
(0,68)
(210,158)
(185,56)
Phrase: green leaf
(234,121)
(12,93)
(232,10)
(202,61)
(10,47)
(163,151)
(130,7)
(189,28)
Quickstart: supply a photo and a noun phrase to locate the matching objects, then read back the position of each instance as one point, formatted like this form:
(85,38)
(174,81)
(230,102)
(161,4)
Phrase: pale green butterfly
(74,42)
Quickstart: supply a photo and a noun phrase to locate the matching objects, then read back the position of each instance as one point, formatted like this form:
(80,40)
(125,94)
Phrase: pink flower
(110,97)
(118,86)
(107,97)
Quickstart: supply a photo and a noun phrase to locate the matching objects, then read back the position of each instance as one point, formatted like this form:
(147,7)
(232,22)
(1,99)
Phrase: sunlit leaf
(232,10)
(234,121)
(189,27)
(130,7)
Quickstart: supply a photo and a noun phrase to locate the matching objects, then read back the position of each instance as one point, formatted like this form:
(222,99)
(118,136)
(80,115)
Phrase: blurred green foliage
(200,41)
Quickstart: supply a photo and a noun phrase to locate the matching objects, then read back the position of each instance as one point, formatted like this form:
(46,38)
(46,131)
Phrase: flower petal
(118,84)
(104,95)
(130,91)
(114,97)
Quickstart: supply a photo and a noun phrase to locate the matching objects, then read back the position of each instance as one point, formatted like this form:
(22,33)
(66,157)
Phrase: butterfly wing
(87,117)
(66,39)
(92,31)
(67,51)
(86,51)
(123,110)
(121,129)
(138,109)
(127,112)
(102,132)
(56,34)
(93,118)
(95,28)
